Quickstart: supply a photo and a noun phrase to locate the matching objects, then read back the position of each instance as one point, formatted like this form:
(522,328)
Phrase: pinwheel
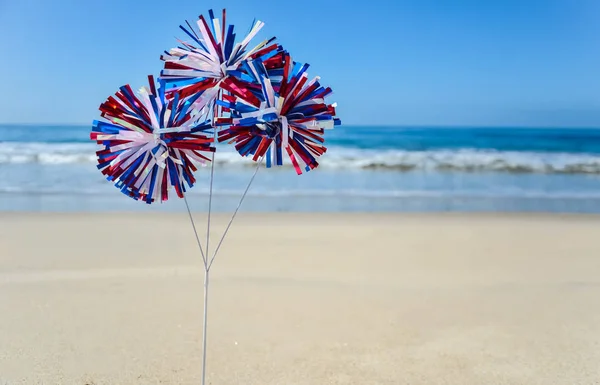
(267,119)
(200,66)
(150,144)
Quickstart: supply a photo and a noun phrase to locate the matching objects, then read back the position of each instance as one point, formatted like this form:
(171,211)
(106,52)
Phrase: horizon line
(404,125)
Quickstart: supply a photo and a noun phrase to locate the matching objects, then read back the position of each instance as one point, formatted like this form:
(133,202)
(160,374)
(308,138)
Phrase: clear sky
(394,62)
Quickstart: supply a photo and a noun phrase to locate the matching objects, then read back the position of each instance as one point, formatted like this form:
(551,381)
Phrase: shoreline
(399,214)
(113,201)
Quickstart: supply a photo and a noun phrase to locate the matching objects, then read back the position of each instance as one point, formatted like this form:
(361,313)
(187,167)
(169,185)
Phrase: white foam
(47,153)
(468,160)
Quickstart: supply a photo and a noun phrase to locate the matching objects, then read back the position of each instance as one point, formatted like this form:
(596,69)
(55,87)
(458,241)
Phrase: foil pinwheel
(212,55)
(150,144)
(268,117)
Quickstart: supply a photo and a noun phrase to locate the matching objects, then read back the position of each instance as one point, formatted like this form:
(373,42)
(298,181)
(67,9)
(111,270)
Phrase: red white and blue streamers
(258,99)
(200,65)
(268,118)
(150,143)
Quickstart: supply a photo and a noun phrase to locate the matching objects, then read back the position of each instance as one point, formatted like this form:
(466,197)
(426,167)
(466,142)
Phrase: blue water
(52,168)
(569,140)
(566,140)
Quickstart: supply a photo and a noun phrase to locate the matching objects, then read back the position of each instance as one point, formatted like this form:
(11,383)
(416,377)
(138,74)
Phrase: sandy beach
(301,299)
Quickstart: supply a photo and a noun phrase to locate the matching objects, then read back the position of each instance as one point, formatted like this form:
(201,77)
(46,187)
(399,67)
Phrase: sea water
(53,168)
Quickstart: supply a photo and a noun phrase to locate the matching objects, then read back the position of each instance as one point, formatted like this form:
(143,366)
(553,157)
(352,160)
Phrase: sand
(301,299)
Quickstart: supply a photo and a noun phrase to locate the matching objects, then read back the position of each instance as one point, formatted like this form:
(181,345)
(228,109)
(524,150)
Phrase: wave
(47,153)
(336,194)
(464,160)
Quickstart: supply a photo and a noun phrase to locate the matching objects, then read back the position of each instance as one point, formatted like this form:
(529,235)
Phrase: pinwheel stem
(212,173)
(206,277)
(208,263)
(204,257)
(207,269)
(235,213)
(204,324)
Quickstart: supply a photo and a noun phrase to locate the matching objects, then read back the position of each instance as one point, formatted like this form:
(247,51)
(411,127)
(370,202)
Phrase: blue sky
(501,63)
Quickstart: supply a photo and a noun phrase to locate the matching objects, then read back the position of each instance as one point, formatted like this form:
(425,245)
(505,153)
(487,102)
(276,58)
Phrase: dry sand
(301,299)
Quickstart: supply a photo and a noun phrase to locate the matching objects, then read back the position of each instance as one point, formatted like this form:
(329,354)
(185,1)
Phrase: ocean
(368,169)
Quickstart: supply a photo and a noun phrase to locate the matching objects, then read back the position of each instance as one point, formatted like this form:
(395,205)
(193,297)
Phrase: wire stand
(208,263)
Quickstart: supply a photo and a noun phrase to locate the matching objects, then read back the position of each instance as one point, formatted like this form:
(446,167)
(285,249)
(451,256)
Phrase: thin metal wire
(235,212)
(204,325)
(195,232)
(204,259)
(206,265)
(212,172)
